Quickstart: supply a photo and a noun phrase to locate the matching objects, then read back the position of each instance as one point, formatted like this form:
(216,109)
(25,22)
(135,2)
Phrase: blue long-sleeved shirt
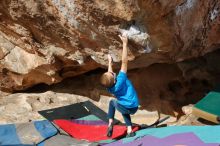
(124,91)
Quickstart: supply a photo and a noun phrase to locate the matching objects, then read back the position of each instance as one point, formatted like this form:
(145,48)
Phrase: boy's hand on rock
(124,39)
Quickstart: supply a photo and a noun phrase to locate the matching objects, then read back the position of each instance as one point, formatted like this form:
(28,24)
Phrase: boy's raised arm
(124,64)
(110,63)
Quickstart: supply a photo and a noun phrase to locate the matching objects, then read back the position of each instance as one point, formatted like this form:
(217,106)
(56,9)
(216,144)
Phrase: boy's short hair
(107,80)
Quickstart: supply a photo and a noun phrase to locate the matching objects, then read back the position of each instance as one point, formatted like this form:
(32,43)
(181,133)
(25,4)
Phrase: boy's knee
(113,102)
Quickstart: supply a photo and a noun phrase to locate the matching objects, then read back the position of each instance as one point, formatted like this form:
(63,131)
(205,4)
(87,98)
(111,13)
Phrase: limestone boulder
(46,41)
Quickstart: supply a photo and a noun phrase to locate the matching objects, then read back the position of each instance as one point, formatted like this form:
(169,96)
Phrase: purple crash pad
(182,139)
(87,122)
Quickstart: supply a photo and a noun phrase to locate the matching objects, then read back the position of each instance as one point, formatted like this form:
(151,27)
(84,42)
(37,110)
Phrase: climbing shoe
(132,134)
(110,130)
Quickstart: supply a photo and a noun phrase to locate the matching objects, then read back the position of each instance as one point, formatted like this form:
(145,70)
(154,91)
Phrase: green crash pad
(89,118)
(209,107)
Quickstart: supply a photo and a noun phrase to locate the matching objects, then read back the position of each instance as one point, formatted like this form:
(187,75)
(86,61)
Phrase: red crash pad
(91,133)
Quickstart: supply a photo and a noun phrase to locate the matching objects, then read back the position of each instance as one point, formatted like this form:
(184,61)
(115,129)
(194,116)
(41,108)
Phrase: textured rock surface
(49,40)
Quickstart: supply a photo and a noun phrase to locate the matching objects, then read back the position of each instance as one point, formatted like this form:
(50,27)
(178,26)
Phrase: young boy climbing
(126,101)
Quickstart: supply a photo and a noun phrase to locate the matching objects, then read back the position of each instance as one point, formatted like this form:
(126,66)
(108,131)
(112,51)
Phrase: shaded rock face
(160,87)
(47,41)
